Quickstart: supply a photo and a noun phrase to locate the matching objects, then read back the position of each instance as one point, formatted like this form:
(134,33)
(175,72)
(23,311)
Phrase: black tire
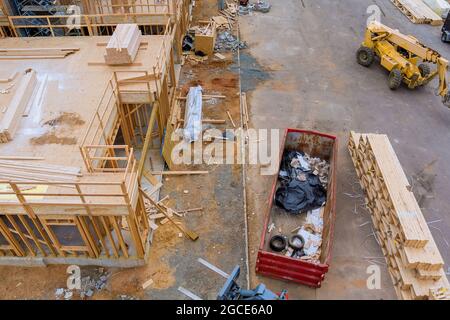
(424,70)
(294,245)
(395,79)
(365,56)
(277,243)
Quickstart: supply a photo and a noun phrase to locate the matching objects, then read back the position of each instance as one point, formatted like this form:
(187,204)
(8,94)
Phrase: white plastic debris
(312,242)
(271,227)
(315,220)
(68,295)
(59,292)
(193,115)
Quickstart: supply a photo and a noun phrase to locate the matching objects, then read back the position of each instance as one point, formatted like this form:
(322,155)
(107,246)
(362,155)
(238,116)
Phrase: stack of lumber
(417,11)
(223,22)
(24,171)
(35,53)
(414,261)
(124,44)
(10,119)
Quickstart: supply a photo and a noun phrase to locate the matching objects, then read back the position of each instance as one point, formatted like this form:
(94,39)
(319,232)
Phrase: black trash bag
(188,43)
(298,196)
(287,172)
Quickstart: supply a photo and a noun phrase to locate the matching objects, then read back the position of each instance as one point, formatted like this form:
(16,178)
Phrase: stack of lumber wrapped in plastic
(123,45)
(417,11)
(413,259)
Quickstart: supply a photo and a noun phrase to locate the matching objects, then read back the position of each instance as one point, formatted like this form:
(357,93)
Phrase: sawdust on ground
(66,118)
(53,138)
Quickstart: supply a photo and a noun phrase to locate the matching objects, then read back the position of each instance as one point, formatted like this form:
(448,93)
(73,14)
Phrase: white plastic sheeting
(193,115)
(441,7)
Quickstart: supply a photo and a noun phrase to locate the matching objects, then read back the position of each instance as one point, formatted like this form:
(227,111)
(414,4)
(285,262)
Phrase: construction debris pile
(305,241)
(303,180)
(88,286)
(159,211)
(226,41)
(230,12)
(259,6)
(303,188)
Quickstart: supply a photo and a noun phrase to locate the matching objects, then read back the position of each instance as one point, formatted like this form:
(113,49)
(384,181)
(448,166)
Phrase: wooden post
(11,240)
(148,138)
(21,234)
(33,217)
(94,222)
(132,223)
(13,27)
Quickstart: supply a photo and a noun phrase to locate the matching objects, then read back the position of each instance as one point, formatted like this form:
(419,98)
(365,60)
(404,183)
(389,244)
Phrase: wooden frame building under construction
(98,17)
(76,133)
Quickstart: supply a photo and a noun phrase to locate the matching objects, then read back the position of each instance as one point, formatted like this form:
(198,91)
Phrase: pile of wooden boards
(25,171)
(124,44)
(10,116)
(223,23)
(417,11)
(413,259)
(35,53)
(230,12)
(152,207)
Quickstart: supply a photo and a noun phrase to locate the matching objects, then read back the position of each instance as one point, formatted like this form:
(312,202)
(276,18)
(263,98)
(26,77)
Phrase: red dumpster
(278,265)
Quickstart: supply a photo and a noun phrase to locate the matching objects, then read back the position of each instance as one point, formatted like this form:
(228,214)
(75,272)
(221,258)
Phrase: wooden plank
(231,119)
(179,172)
(11,118)
(417,11)
(20,158)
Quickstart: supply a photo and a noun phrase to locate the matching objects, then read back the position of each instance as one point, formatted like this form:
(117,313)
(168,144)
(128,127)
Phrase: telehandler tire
(395,79)
(365,56)
(424,69)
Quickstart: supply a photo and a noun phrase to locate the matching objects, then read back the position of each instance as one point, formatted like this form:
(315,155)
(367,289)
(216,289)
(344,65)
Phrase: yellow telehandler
(405,57)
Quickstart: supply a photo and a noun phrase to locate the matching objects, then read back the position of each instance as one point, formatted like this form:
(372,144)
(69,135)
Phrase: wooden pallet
(413,259)
(417,11)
